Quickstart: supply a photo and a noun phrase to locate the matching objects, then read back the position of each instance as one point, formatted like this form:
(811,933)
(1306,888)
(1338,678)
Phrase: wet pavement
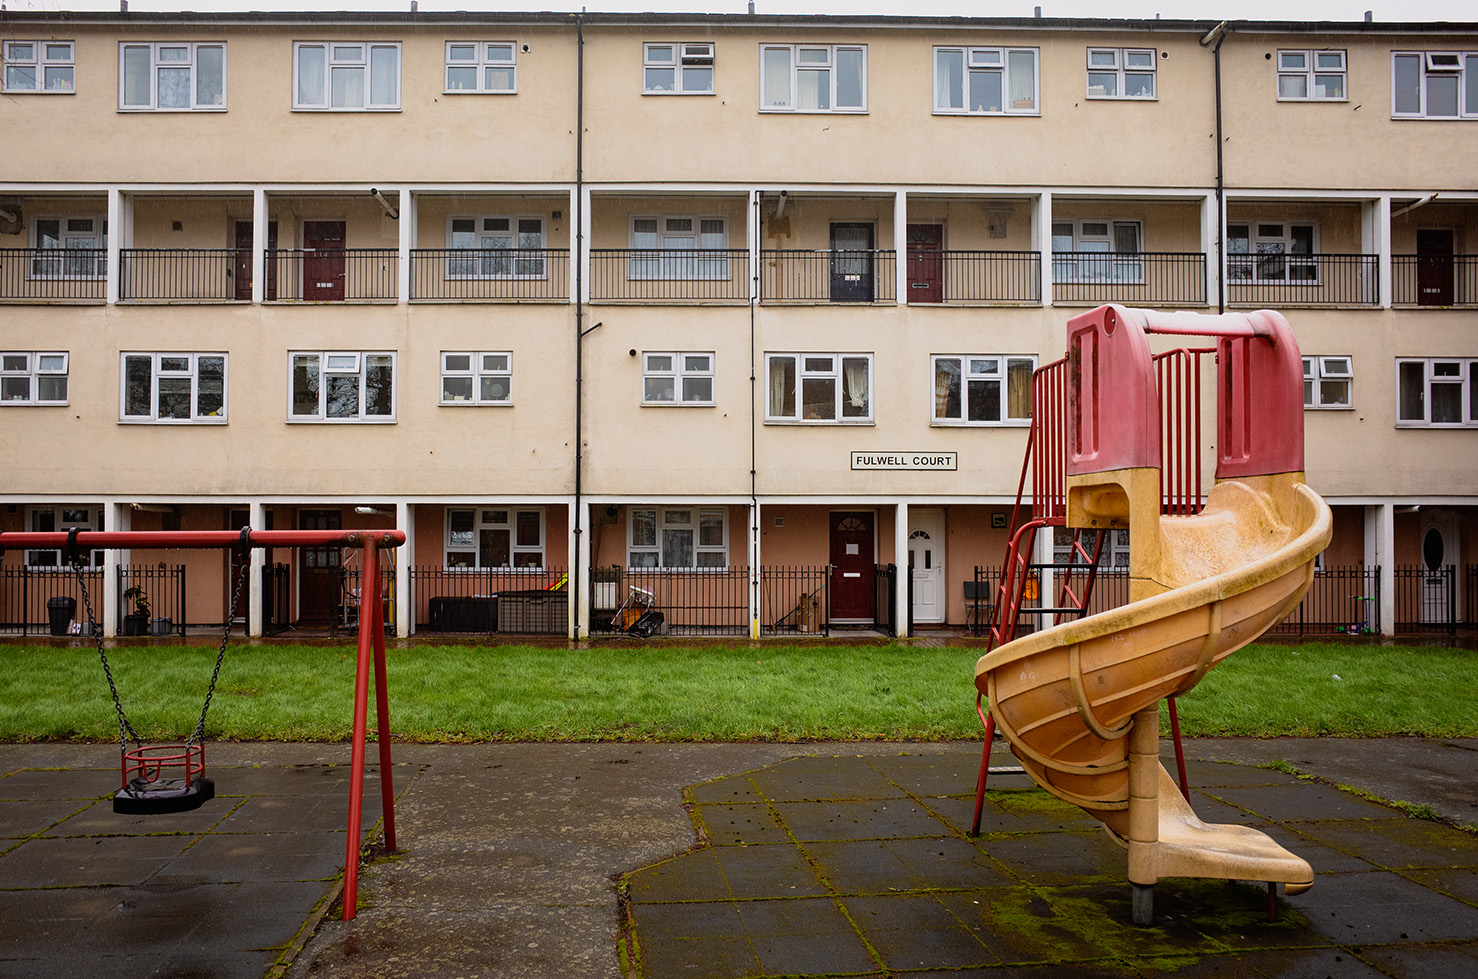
(604,860)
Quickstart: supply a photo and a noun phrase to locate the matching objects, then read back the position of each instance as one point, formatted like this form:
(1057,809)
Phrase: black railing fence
(974,276)
(886,618)
(1294,280)
(828,275)
(489,274)
(26,592)
(276,599)
(159,587)
(1426,599)
(470,600)
(795,599)
(191,274)
(347,600)
(1161,278)
(1434,280)
(1341,599)
(669,275)
(54,274)
(692,603)
(1470,597)
(333,274)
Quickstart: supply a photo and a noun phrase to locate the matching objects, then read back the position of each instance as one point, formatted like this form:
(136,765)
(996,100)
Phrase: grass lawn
(689,693)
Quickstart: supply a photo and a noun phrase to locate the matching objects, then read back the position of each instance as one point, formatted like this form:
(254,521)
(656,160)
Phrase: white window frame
(983,369)
(1324,377)
(1115,552)
(485,264)
(1268,249)
(686,61)
(28,369)
(338,55)
(483,371)
(1085,266)
(60,519)
(490,60)
(162,59)
(465,554)
(650,555)
(1118,66)
(341,363)
(809,59)
(1432,66)
(686,263)
(48,63)
(1303,68)
(1439,372)
(689,372)
(92,267)
(952,101)
(812,367)
(168,366)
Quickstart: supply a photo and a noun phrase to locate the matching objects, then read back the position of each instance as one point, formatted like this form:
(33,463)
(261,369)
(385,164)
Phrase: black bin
(60,610)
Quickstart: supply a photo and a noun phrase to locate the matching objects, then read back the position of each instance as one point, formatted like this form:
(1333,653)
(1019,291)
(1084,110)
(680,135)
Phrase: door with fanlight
(319,570)
(926,566)
(853,559)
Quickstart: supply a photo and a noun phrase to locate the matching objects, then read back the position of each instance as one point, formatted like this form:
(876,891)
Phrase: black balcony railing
(974,276)
(50,275)
(1141,278)
(1303,280)
(189,274)
(1434,280)
(489,274)
(828,275)
(333,274)
(669,275)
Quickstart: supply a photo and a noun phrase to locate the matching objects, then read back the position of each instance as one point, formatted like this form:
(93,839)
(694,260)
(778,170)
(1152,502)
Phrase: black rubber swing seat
(141,797)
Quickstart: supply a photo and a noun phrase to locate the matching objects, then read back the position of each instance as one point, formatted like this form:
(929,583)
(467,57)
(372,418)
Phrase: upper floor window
(166,76)
(494,537)
(72,247)
(677,69)
(985,81)
(57,519)
(1121,73)
(678,538)
(503,247)
(1091,250)
(983,390)
(40,66)
(1436,392)
(1311,75)
(346,76)
(469,378)
(1434,84)
(691,247)
(677,378)
(818,388)
(1113,551)
(33,377)
(813,78)
(342,386)
(173,387)
(1272,251)
(1327,382)
(482,66)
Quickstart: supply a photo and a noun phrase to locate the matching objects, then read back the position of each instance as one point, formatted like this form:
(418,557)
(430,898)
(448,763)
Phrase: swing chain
(125,729)
(241,578)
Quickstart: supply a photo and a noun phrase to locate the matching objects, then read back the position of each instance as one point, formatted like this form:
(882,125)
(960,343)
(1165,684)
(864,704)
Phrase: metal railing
(705,602)
(276,599)
(193,274)
(974,277)
(1426,599)
(1340,599)
(467,600)
(489,274)
(334,274)
(163,588)
(1303,280)
(54,275)
(1434,280)
(347,591)
(795,599)
(674,275)
(1470,597)
(828,275)
(1137,279)
(25,592)
(886,615)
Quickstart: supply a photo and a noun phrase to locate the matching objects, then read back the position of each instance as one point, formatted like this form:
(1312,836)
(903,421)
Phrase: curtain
(1021,66)
(854,385)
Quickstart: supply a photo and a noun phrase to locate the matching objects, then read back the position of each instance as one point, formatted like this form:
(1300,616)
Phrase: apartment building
(741,309)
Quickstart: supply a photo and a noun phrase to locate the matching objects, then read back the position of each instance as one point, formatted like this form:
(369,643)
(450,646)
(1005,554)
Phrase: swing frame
(371,641)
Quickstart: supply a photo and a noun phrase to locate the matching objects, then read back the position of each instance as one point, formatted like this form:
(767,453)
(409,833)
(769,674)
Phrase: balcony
(974,277)
(669,275)
(1434,280)
(828,275)
(1132,278)
(184,275)
(490,274)
(53,275)
(316,275)
(1280,279)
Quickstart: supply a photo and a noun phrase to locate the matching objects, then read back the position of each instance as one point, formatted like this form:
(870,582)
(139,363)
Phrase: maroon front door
(242,271)
(235,520)
(853,591)
(319,570)
(925,263)
(323,261)
(1434,267)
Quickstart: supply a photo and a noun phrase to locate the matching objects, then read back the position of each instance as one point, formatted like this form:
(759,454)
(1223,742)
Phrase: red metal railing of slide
(371,641)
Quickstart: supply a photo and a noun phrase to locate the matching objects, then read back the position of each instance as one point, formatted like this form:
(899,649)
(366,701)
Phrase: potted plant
(136,623)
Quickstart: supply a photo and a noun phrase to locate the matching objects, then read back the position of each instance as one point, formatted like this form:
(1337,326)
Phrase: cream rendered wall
(967,221)
(205,222)
(806,221)
(1340,230)
(1462,218)
(1167,226)
(433,212)
(611,215)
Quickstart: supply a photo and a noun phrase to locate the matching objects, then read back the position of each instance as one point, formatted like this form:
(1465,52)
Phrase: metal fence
(489,274)
(669,275)
(795,599)
(828,275)
(54,274)
(195,274)
(886,617)
(975,276)
(334,274)
(1470,597)
(470,600)
(1341,599)
(1137,279)
(1426,599)
(692,603)
(1434,280)
(347,606)
(1303,280)
(276,599)
(159,587)
(26,592)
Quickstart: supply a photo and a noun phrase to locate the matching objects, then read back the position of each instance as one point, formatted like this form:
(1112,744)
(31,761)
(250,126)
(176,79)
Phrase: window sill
(988,113)
(478,91)
(1014,423)
(678,93)
(678,404)
(813,112)
(474,404)
(820,422)
(147,110)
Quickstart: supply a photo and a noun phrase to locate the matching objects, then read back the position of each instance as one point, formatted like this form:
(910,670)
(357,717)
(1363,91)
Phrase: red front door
(242,271)
(1434,266)
(320,570)
(853,590)
(323,261)
(925,263)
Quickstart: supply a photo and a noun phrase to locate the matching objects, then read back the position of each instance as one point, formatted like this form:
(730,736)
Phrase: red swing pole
(382,695)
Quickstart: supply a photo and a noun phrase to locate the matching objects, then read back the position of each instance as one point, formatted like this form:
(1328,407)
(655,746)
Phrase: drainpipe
(576,572)
(1216,36)
(754,499)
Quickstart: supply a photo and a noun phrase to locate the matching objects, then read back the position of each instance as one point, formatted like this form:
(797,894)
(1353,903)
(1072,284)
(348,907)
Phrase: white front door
(926,560)
(1439,564)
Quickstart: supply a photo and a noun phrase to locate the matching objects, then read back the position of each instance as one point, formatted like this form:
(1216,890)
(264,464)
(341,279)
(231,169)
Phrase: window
(690,247)
(1096,251)
(163,77)
(51,520)
(346,77)
(985,81)
(476,378)
(1311,75)
(494,537)
(501,247)
(1436,392)
(40,66)
(482,66)
(677,378)
(1327,382)
(1121,73)
(678,538)
(348,386)
(983,390)
(173,388)
(819,388)
(807,78)
(33,377)
(69,248)
(677,69)
(1434,84)
(1113,554)
(1277,251)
